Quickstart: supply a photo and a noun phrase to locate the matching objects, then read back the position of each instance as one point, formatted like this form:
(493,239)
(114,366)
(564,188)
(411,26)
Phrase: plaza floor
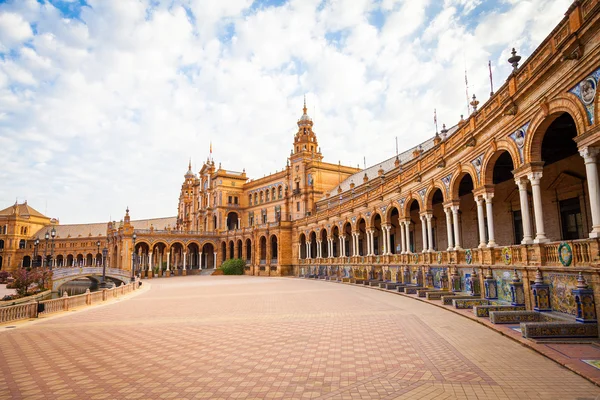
(219,337)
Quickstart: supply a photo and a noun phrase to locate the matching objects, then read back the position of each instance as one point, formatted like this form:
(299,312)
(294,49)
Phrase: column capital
(429,216)
(589,153)
(479,200)
(521,182)
(386,226)
(535,177)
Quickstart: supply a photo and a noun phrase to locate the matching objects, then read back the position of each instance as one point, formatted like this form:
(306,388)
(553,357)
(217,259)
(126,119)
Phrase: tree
(41,277)
(23,280)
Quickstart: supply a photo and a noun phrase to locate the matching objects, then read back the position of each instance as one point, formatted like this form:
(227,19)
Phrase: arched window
(255,198)
(273,194)
(262,199)
(1,244)
(22,244)
(249,199)
(280,192)
(267,195)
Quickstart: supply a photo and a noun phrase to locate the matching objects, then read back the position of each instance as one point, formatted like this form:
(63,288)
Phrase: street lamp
(133,258)
(104,256)
(46,236)
(98,253)
(53,234)
(35,250)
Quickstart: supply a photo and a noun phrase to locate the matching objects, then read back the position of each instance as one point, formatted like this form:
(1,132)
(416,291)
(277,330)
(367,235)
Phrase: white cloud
(103,110)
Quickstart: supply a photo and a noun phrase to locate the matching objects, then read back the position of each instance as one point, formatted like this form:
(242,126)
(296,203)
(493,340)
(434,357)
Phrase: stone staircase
(207,271)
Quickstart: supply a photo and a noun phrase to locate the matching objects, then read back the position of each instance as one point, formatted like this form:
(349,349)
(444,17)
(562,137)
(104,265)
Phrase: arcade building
(511,193)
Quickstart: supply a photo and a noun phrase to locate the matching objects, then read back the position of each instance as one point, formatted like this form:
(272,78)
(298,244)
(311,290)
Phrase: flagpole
(491,80)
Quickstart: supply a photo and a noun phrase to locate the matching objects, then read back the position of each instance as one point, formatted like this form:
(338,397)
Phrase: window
(273,194)
(261,197)
(255,198)
(250,199)
(297,206)
(229,200)
(264,218)
(235,200)
(267,195)
(22,244)
(570,216)
(280,192)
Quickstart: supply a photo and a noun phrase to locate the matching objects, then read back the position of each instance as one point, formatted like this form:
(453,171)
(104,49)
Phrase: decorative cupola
(189,174)
(305,140)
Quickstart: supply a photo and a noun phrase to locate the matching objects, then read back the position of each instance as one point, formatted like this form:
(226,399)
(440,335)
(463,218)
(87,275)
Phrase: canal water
(78,286)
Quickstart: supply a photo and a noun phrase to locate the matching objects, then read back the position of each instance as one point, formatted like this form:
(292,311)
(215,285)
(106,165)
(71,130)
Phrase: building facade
(513,187)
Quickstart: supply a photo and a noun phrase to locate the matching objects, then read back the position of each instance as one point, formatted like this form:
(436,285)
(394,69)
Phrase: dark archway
(232,221)
(248,250)
(208,256)
(302,254)
(263,249)
(274,252)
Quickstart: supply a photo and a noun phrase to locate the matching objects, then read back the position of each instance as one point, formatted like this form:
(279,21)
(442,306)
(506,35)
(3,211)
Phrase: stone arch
(274,243)
(565,103)
(490,158)
(262,248)
(431,191)
(372,217)
(408,203)
(456,178)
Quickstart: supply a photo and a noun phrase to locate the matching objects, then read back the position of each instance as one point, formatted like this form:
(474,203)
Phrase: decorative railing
(58,273)
(65,303)
(574,253)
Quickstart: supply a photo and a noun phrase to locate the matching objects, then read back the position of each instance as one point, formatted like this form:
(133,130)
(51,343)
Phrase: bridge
(60,276)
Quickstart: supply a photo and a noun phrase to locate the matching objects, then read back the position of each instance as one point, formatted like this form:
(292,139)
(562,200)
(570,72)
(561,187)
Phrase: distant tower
(305,140)
(185,210)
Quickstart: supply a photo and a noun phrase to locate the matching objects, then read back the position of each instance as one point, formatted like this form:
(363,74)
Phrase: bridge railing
(59,273)
(65,303)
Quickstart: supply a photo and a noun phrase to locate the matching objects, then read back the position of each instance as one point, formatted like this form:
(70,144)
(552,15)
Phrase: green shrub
(234,266)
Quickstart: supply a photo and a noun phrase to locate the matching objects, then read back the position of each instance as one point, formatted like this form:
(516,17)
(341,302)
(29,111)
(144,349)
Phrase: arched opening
(159,261)
(395,246)
(506,199)
(263,250)
(60,261)
(26,263)
(415,228)
(22,244)
(79,260)
(349,243)
(69,260)
(438,221)
(274,253)
(1,243)
(1,259)
(142,253)
(231,249)
(193,256)
(468,213)
(302,241)
(232,221)
(377,236)
(176,256)
(239,249)
(89,259)
(313,245)
(208,256)
(324,248)
(336,241)
(223,252)
(248,250)
(362,237)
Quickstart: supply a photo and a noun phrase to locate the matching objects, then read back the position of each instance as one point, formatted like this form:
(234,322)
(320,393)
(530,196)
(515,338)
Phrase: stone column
(429,216)
(308,254)
(150,262)
(490,219)
(526,218)
(424,232)
(534,178)
(402,238)
(407,227)
(370,241)
(341,246)
(448,212)
(184,260)
(168,259)
(319,249)
(589,155)
(456,228)
(215,260)
(200,261)
(480,221)
(384,230)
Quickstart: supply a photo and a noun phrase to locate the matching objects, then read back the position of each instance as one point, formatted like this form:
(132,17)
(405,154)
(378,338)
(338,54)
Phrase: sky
(104,102)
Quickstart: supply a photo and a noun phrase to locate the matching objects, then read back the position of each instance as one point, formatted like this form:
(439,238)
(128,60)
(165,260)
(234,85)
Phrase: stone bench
(559,329)
(484,310)
(402,287)
(465,304)
(346,280)
(359,281)
(515,317)
(423,292)
(375,283)
(447,300)
(413,289)
(437,294)
(389,285)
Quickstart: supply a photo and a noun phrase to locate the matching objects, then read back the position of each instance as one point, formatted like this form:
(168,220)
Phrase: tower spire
(304,109)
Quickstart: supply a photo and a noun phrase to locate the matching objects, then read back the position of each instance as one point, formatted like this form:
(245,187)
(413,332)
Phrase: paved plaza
(248,337)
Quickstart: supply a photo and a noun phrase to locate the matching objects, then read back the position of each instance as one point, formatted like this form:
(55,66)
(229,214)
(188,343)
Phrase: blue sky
(103,102)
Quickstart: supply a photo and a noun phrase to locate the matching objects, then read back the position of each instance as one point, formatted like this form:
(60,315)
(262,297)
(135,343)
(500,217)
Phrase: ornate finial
(581,282)
(127,211)
(538,276)
(515,277)
(474,103)
(304,109)
(489,274)
(514,60)
(444,131)
(190,164)
(397,162)
(365,177)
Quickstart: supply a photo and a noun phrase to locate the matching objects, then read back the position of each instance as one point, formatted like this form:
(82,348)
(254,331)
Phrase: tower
(186,211)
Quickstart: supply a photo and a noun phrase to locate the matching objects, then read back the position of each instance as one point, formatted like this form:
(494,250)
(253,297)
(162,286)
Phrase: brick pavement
(249,337)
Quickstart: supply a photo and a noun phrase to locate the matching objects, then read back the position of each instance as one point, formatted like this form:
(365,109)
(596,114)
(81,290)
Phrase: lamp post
(35,250)
(133,258)
(46,236)
(104,256)
(53,234)
(98,253)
